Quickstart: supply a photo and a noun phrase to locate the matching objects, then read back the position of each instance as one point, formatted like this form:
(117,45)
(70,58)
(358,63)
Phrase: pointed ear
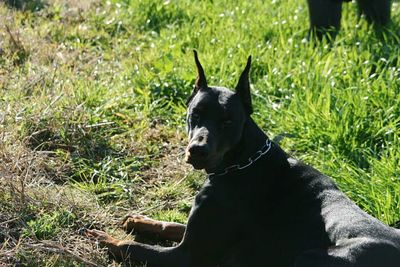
(243,88)
(201,82)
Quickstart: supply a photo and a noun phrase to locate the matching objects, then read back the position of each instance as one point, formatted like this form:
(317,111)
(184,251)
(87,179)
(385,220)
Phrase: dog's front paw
(116,249)
(133,223)
(102,238)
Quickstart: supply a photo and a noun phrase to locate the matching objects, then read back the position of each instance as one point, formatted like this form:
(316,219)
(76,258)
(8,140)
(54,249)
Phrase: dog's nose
(199,150)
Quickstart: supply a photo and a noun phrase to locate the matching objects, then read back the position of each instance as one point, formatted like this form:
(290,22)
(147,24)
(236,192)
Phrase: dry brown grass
(32,180)
(30,189)
(26,191)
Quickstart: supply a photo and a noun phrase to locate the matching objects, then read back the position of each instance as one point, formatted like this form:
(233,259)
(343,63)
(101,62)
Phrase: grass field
(92,106)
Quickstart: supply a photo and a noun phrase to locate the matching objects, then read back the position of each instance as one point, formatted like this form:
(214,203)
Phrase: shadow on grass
(396,225)
(86,146)
(86,157)
(26,5)
(383,45)
(160,15)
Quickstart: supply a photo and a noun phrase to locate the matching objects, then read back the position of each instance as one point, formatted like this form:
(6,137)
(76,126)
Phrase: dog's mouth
(197,164)
(200,163)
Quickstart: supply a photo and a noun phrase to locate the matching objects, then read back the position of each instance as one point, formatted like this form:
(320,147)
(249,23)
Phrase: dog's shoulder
(308,176)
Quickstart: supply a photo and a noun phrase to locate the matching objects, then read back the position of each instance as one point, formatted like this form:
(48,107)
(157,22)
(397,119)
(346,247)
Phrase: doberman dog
(325,15)
(259,206)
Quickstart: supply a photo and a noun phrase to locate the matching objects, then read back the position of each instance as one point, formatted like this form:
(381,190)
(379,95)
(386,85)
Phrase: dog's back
(355,236)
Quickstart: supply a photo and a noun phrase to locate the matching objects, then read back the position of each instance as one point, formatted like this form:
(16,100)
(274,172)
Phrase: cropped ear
(243,88)
(201,81)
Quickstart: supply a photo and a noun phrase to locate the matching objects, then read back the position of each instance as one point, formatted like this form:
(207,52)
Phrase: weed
(47,226)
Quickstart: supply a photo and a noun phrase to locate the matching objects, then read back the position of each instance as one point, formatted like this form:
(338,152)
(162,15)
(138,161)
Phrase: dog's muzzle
(197,154)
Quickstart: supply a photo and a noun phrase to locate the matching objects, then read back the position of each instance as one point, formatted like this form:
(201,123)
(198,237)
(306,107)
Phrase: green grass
(92,108)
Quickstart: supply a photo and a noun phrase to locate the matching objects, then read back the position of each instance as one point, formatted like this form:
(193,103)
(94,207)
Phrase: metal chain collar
(264,150)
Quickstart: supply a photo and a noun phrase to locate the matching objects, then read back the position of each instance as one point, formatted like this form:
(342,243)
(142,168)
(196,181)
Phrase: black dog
(258,207)
(325,14)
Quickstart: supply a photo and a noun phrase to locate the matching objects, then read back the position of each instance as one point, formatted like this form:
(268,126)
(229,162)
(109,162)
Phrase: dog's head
(215,119)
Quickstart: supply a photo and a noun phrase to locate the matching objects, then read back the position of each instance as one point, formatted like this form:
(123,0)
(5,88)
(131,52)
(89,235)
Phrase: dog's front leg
(131,251)
(147,226)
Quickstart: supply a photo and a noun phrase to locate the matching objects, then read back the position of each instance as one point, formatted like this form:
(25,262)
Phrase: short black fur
(325,15)
(275,211)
